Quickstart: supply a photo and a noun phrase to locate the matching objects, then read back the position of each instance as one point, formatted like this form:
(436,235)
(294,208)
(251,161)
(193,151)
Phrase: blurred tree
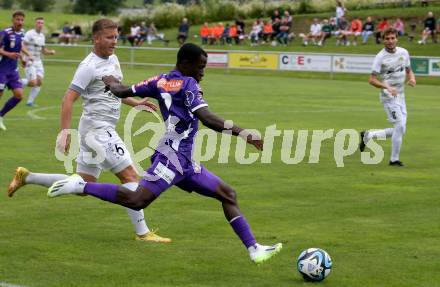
(37,5)
(104,7)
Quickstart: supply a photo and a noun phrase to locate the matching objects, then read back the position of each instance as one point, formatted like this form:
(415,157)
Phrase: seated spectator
(65,37)
(182,33)
(382,26)
(314,34)
(76,34)
(121,35)
(285,26)
(355,30)
(367,30)
(225,37)
(153,34)
(342,31)
(142,35)
(412,32)
(239,23)
(326,32)
(233,34)
(267,31)
(399,26)
(276,24)
(134,32)
(424,3)
(255,32)
(276,15)
(205,32)
(218,32)
(430,29)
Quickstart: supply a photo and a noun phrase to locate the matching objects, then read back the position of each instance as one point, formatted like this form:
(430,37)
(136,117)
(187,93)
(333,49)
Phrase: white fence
(267,60)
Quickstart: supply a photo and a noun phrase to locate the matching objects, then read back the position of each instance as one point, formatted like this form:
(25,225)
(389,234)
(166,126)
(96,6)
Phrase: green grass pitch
(379,224)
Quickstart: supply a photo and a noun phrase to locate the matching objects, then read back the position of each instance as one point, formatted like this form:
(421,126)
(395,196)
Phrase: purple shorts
(10,80)
(162,175)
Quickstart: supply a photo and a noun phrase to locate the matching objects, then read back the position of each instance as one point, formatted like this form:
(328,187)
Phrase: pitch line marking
(33,113)
(5,284)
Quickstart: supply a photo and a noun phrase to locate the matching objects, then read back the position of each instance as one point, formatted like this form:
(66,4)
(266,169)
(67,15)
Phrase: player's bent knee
(141,199)
(227,194)
(400,127)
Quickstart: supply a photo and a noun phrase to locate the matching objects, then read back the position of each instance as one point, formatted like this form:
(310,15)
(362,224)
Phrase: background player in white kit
(101,111)
(35,42)
(393,65)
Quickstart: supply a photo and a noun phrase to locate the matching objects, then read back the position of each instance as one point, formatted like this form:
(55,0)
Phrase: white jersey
(35,43)
(392,69)
(101,109)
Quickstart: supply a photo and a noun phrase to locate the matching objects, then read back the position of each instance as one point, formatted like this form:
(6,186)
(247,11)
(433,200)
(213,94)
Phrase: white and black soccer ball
(314,264)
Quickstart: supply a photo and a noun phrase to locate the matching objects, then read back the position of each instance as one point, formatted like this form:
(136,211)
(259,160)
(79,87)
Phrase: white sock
(24,81)
(33,94)
(137,217)
(385,133)
(44,179)
(396,139)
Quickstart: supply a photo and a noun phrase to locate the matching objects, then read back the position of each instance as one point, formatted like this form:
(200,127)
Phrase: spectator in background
(142,35)
(276,15)
(205,31)
(267,31)
(355,30)
(183,31)
(121,35)
(382,26)
(134,31)
(342,31)
(283,35)
(65,37)
(412,31)
(153,34)
(326,32)
(233,33)
(76,34)
(255,32)
(367,29)
(399,27)
(225,37)
(276,24)
(430,29)
(340,11)
(239,23)
(314,34)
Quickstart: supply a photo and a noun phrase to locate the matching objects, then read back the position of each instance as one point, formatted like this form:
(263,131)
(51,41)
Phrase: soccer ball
(314,264)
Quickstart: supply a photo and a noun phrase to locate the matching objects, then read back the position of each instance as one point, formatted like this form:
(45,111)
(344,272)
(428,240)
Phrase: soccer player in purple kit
(182,106)
(10,47)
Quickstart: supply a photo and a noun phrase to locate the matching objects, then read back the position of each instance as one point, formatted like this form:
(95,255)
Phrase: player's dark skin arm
(118,89)
(217,124)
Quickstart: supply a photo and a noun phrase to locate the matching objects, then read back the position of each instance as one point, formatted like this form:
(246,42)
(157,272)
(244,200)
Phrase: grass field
(379,224)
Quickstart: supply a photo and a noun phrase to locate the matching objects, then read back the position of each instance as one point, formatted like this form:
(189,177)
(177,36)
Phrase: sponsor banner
(302,62)
(253,60)
(434,67)
(420,66)
(217,59)
(353,64)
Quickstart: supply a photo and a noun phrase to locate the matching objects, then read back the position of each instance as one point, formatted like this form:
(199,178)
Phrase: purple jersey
(179,97)
(10,41)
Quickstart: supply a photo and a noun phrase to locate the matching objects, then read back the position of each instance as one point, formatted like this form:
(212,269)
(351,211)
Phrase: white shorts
(103,150)
(396,111)
(34,70)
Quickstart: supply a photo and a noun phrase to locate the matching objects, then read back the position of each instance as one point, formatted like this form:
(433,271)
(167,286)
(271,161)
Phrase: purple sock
(9,105)
(243,230)
(104,191)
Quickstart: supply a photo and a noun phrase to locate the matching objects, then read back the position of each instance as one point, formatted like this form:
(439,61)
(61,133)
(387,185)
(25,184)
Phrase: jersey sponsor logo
(145,82)
(164,173)
(170,86)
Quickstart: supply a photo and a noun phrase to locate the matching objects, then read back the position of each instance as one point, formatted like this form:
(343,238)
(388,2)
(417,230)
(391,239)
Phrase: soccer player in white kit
(393,66)
(35,41)
(101,111)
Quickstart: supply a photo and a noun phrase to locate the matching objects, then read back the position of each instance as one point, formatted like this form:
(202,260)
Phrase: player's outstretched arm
(117,88)
(66,118)
(217,124)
